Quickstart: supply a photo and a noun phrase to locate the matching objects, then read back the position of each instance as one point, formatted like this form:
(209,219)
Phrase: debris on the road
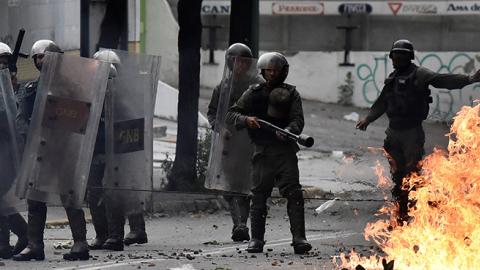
(325,205)
(214,242)
(183,267)
(190,256)
(63,245)
(353,116)
(337,154)
(2,264)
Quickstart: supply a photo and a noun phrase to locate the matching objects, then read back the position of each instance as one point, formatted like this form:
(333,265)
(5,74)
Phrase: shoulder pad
(390,78)
(29,89)
(31,86)
(256,87)
(289,86)
(423,70)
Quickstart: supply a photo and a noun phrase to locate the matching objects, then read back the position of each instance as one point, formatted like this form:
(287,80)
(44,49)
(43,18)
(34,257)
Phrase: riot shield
(10,144)
(229,166)
(63,128)
(129,131)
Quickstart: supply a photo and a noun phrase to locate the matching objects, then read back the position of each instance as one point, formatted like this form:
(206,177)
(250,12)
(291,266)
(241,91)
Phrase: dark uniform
(37,210)
(12,222)
(108,219)
(239,204)
(405,99)
(274,160)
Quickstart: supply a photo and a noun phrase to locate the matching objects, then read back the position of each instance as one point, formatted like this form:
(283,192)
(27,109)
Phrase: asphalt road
(202,241)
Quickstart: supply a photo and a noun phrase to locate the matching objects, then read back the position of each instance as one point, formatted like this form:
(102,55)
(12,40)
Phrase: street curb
(63,222)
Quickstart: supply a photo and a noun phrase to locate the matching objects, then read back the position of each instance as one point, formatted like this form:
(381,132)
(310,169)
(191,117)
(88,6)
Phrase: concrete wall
(42,19)
(161,35)
(318,76)
(375,33)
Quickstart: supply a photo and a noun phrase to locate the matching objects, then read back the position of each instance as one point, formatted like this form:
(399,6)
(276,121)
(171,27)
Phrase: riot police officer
(405,99)
(11,220)
(235,82)
(37,210)
(274,160)
(108,219)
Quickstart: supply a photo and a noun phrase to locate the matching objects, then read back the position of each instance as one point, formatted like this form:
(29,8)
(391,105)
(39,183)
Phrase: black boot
(5,248)
(78,226)
(137,234)
(116,224)
(96,203)
(401,197)
(295,209)
(239,210)
(258,217)
(99,220)
(37,216)
(113,244)
(19,227)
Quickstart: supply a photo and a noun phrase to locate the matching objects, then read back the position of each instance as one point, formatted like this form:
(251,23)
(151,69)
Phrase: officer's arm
(213,106)
(378,108)
(295,117)
(237,114)
(448,81)
(22,116)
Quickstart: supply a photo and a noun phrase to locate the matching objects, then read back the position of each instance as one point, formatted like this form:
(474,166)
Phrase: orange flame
(444,232)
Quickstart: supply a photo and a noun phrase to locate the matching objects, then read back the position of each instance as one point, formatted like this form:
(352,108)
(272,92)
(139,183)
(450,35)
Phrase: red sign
(395,7)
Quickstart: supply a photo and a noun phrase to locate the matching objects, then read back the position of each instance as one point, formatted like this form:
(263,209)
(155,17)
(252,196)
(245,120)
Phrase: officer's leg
(137,234)
(116,224)
(396,158)
(239,206)
(263,181)
(95,199)
(244,209)
(78,226)
(414,151)
(18,226)
(5,248)
(37,216)
(290,188)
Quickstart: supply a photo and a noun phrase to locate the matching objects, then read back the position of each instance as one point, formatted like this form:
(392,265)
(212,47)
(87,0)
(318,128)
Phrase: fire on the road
(444,232)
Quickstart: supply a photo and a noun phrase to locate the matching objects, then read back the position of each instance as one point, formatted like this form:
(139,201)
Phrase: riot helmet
(110,57)
(5,53)
(275,61)
(403,45)
(44,45)
(279,103)
(237,50)
(5,49)
(107,56)
(39,48)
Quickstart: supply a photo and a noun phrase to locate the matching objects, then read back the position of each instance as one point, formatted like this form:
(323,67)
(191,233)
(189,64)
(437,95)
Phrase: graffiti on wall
(445,103)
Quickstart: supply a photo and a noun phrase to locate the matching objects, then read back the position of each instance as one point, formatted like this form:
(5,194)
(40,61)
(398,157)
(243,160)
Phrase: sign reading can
(355,8)
(66,114)
(297,8)
(215,8)
(129,136)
